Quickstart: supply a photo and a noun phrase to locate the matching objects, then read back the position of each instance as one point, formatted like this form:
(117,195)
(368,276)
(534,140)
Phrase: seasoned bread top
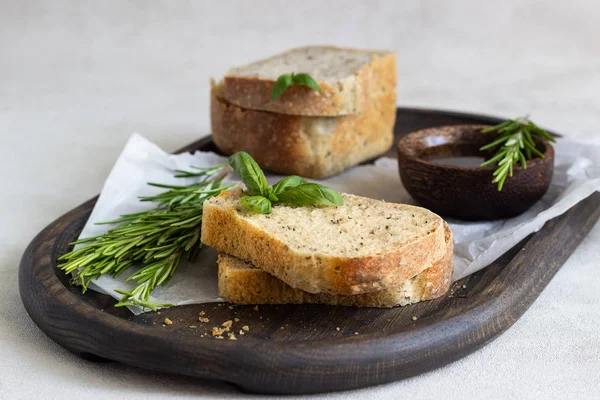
(345,76)
(323,63)
(363,246)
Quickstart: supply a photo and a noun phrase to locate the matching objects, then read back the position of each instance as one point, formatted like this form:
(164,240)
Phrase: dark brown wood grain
(297,348)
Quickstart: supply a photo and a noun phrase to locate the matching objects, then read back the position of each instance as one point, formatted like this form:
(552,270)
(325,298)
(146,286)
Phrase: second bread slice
(363,246)
(242,283)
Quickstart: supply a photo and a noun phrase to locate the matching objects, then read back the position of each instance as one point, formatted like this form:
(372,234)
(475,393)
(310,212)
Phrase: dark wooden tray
(298,349)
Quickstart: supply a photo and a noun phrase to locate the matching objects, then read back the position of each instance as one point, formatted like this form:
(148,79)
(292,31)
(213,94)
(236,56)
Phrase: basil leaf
(310,194)
(306,80)
(271,194)
(250,173)
(258,204)
(281,84)
(287,182)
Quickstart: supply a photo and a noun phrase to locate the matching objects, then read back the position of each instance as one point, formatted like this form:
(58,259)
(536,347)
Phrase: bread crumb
(246,328)
(242,332)
(464,286)
(281,327)
(337,328)
(255,308)
(230,307)
(236,319)
(217,331)
(163,325)
(231,336)
(202,313)
(414,318)
(219,337)
(158,313)
(227,324)
(203,319)
(356,333)
(168,321)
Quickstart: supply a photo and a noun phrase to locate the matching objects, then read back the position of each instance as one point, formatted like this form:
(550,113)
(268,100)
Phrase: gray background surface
(77,78)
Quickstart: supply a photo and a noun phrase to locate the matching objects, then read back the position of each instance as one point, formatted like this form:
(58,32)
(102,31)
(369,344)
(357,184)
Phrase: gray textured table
(77,79)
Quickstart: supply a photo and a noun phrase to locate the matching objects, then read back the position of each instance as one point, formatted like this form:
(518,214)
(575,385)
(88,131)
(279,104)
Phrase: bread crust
(313,147)
(225,230)
(349,96)
(251,285)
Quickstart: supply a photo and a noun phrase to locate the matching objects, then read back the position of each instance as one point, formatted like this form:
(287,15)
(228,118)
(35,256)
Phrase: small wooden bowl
(468,192)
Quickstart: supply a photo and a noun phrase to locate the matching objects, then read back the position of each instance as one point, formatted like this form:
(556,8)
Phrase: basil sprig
(292,190)
(287,80)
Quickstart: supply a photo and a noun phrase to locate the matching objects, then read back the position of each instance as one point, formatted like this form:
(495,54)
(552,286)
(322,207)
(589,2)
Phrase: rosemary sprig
(514,145)
(156,239)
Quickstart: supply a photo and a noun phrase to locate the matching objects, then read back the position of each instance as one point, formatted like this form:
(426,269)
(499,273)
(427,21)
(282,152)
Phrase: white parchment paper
(576,176)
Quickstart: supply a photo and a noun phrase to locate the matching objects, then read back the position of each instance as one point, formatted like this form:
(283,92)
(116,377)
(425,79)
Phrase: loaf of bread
(313,147)
(240,282)
(363,246)
(349,79)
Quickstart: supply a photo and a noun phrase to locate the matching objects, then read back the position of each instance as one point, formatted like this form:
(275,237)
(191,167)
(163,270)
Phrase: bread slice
(346,77)
(363,246)
(314,147)
(240,282)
